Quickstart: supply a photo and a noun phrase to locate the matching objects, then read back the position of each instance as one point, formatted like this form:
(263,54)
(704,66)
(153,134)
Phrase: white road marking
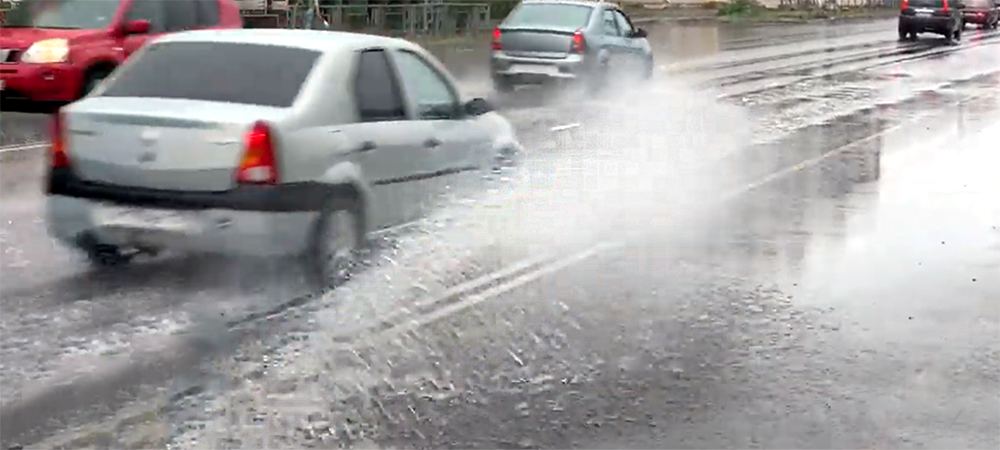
(495,291)
(23,147)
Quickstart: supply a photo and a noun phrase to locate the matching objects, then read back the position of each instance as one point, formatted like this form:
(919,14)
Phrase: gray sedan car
(543,40)
(254,142)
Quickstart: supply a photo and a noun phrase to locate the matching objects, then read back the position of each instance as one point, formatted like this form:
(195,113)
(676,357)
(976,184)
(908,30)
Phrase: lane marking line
(23,147)
(493,292)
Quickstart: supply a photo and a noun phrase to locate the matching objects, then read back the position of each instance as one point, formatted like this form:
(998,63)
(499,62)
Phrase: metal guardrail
(430,19)
(838,4)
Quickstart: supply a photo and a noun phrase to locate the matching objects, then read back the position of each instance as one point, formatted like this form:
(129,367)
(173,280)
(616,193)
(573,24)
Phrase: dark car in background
(544,40)
(942,17)
(985,13)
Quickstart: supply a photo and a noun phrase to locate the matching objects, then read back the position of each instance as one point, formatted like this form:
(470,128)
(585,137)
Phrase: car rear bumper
(932,24)
(228,232)
(529,69)
(247,220)
(41,82)
(976,18)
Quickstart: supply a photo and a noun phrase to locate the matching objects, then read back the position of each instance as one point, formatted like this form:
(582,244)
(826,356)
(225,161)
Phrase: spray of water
(627,166)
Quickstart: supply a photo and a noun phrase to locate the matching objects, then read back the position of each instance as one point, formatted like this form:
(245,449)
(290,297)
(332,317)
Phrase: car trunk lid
(543,29)
(177,145)
(536,43)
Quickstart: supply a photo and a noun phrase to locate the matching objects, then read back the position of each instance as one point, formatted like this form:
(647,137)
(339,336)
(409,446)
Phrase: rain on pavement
(789,239)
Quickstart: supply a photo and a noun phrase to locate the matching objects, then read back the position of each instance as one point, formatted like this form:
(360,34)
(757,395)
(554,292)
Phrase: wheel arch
(96,66)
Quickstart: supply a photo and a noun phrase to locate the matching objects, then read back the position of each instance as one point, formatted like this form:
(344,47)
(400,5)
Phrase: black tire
(903,32)
(913,36)
(92,80)
(502,84)
(335,246)
(949,37)
(104,256)
(958,35)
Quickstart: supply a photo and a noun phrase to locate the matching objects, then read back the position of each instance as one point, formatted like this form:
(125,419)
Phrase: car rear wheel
(104,256)
(903,32)
(336,241)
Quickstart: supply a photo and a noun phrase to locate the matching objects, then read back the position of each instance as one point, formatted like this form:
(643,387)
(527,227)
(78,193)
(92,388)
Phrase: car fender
(347,173)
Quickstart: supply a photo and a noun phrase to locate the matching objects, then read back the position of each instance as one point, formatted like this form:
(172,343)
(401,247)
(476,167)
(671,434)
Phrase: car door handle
(366,146)
(432,143)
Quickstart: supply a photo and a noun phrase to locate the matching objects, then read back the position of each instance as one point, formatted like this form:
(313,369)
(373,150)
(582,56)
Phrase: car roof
(574,2)
(321,41)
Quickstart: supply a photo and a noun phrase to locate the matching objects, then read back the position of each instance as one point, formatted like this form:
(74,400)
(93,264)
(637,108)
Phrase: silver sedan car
(265,142)
(544,40)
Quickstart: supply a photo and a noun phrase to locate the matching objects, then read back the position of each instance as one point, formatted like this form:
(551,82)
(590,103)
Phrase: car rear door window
(208,12)
(151,10)
(555,16)
(267,75)
(608,23)
(376,90)
(430,93)
(624,25)
(181,14)
(927,4)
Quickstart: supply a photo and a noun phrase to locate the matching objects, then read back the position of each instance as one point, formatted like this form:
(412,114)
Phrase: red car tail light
(496,44)
(579,44)
(58,157)
(259,164)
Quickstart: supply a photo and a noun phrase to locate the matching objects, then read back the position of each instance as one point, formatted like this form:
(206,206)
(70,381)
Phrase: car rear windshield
(62,14)
(558,16)
(927,3)
(978,3)
(251,74)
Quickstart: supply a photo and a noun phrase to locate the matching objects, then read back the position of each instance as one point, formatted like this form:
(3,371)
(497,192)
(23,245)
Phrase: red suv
(59,50)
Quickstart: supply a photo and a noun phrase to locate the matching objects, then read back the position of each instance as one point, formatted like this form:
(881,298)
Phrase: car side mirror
(478,106)
(639,33)
(137,27)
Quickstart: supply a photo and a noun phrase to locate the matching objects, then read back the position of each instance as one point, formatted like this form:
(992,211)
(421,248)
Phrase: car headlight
(47,51)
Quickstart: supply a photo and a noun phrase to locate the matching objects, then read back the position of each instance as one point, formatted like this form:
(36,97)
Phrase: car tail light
(496,45)
(579,44)
(57,150)
(259,163)
(904,4)
(944,7)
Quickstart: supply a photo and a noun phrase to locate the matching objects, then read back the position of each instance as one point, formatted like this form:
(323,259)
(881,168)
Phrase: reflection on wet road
(810,261)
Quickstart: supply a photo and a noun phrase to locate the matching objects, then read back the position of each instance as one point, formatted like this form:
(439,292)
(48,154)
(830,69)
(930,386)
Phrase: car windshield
(64,14)
(266,75)
(559,16)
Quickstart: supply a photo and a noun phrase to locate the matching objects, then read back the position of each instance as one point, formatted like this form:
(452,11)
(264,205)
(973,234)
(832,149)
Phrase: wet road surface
(791,266)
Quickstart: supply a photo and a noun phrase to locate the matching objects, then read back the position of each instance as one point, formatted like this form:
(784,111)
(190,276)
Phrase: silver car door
(387,143)
(637,48)
(458,143)
(613,42)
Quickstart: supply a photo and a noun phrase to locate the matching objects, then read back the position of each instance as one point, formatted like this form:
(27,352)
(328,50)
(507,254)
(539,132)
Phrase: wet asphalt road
(812,262)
